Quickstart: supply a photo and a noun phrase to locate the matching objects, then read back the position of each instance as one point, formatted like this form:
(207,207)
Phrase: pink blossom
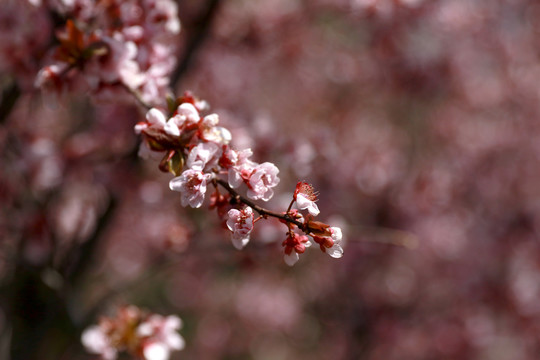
(49,81)
(158,60)
(240,222)
(305,198)
(228,158)
(262,180)
(133,43)
(240,167)
(192,185)
(202,155)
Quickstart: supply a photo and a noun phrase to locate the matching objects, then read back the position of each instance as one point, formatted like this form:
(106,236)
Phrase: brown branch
(262,211)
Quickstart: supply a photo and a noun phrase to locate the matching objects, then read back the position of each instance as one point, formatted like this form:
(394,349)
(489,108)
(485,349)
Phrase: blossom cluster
(106,46)
(196,150)
(146,336)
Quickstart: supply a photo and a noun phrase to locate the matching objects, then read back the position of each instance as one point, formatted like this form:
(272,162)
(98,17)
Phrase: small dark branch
(195,41)
(137,96)
(10,94)
(290,206)
(262,211)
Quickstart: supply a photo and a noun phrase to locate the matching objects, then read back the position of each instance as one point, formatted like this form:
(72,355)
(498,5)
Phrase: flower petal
(335,251)
(291,258)
(156,351)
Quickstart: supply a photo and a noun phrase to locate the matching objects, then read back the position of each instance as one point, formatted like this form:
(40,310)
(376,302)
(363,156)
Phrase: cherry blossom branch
(197,151)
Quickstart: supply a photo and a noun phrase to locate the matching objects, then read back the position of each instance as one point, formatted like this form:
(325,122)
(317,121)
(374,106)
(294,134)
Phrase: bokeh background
(419,123)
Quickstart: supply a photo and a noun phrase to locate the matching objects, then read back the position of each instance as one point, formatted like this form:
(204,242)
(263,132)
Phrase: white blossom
(304,203)
(156,119)
(96,341)
(187,114)
(214,133)
(291,258)
(161,336)
(335,251)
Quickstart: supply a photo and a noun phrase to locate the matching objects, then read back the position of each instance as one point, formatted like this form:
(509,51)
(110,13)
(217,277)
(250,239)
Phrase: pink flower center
(305,189)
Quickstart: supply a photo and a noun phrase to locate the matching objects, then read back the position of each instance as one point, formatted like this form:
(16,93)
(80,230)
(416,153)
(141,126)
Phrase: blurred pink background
(416,120)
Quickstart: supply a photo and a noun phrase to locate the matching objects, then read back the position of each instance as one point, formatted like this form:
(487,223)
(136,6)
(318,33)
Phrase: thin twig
(81,257)
(137,96)
(262,211)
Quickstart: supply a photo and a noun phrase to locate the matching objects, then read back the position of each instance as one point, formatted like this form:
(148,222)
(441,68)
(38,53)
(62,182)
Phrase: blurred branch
(194,42)
(37,314)
(80,257)
(137,96)
(10,95)
(389,236)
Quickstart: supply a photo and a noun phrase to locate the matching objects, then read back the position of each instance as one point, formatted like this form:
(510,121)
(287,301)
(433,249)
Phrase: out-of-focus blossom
(25,31)
(118,64)
(96,340)
(128,43)
(160,336)
(150,336)
(240,222)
